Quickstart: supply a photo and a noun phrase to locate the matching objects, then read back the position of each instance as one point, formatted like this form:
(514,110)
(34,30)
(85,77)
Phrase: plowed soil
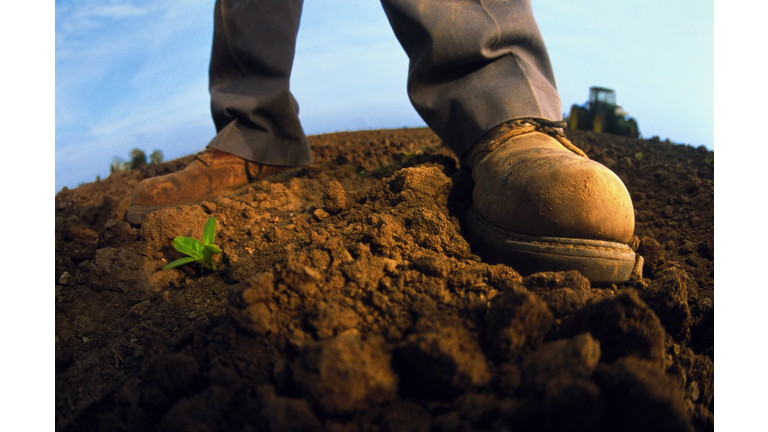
(347,299)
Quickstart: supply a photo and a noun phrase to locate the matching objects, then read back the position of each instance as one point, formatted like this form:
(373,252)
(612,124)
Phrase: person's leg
(480,77)
(256,117)
(255,114)
(473,65)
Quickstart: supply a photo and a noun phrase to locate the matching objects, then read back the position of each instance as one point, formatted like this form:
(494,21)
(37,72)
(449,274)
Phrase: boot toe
(540,207)
(552,192)
(212,174)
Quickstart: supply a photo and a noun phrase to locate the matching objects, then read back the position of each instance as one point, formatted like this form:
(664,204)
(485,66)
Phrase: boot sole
(602,262)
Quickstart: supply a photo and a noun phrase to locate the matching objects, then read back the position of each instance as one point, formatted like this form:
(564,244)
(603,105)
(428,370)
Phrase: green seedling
(382,169)
(201,253)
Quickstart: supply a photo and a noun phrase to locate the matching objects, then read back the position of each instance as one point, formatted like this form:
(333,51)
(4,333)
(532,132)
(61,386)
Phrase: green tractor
(601,114)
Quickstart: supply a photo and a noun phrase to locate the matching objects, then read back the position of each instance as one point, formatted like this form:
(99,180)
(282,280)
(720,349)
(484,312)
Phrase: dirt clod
(517,322)
(556,364)
(442,362)
(640,397)
(668,296)
(564,292)
(345,373)
(334,198)
(623,325)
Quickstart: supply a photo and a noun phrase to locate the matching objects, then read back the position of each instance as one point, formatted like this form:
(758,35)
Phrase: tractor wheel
(598,125)
(574,117)
(634,132)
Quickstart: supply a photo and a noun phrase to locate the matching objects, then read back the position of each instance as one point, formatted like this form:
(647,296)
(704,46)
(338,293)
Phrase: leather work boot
(211,174)
(540,204)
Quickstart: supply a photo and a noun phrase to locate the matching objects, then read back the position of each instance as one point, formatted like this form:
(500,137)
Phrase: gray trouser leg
(473,65)
(255,114)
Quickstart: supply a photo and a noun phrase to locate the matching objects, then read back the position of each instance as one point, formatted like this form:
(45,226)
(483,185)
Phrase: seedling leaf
(178,262)
(189,246)
(209,233)
(213,248)
(207,255)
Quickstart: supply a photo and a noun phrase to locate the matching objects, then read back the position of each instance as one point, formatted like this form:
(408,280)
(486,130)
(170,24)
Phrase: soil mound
(347,299)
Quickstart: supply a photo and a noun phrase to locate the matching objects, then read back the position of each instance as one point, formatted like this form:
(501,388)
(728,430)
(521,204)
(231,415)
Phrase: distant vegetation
(138,159)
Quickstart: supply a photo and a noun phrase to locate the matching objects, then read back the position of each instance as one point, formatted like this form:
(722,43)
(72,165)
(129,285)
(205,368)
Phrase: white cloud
(117,61)
(117,11)
(190,103)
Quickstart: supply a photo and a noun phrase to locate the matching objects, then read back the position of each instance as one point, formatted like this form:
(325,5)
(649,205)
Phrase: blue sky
(133,73)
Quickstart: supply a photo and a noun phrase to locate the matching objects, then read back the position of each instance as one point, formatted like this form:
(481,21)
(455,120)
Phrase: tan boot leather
(211,174)
(540,204)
